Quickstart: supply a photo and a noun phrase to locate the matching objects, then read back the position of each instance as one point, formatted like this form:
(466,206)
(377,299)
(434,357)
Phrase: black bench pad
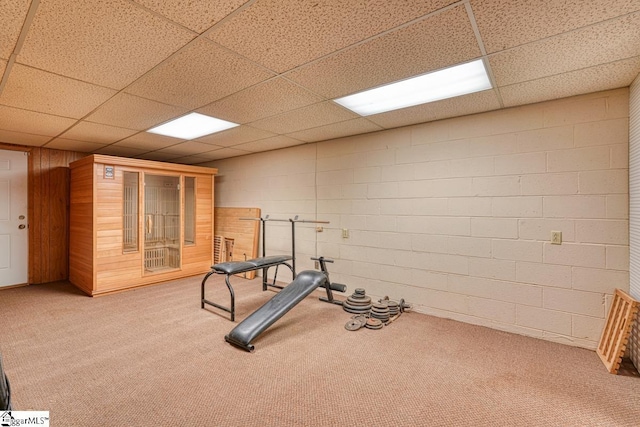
(269,260)
(235,267)
(242,335)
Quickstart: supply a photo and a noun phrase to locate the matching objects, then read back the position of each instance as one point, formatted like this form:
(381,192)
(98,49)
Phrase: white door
(14,235)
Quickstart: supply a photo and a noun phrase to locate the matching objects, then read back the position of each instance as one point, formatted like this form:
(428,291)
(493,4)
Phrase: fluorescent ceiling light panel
(446,83)
(192,126)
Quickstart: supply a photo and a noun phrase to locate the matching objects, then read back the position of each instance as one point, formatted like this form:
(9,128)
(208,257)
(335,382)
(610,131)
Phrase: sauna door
(161,223)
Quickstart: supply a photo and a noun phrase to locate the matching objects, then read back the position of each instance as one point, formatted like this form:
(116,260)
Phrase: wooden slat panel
(59,198)
(227,223)
(36,200)
(81,230)
(615,334)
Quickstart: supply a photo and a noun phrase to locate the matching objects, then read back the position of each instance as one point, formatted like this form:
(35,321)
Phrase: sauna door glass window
(189,210)
(130,219)
(161,222)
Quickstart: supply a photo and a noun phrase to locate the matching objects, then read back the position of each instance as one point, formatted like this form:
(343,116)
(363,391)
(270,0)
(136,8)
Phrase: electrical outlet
(556,237)
(345,233)
(317,265)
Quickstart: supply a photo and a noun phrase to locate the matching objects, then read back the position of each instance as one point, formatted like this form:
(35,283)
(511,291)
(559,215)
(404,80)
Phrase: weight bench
(238,267)
(303,284)
(263,263)
(258,321)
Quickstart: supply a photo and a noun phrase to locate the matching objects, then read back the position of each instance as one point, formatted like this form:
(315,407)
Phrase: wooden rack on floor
(617,329)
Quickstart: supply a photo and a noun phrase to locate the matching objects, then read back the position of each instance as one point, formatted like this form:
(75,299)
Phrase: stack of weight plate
(394,308)
(358,303)
(373,323)
(380,311)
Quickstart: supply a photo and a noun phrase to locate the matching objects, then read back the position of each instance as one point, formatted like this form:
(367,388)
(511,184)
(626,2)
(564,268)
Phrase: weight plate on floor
(356,306)
(358,312)
(360,300)
(373,322)
(353,325)
(363,300)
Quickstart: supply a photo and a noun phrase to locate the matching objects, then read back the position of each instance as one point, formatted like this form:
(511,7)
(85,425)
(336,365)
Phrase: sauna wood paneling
(107,268)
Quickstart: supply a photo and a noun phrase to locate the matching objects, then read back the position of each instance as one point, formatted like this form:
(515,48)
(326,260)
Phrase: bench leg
(231,310)
(202,300)
(233,298)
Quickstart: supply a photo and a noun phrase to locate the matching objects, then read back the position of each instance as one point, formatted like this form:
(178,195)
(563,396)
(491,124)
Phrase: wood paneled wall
(48,212)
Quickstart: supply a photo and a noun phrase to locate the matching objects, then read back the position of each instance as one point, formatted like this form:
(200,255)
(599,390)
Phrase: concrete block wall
(455,216)
(282,184)
(634,211)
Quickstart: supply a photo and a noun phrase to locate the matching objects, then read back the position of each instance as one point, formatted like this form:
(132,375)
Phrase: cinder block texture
(456,216)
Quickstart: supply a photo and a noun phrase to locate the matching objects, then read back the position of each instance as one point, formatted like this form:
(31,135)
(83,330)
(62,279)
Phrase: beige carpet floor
(152,357)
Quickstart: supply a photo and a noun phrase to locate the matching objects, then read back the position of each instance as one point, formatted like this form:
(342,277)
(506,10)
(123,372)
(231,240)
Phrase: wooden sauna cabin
(136,222)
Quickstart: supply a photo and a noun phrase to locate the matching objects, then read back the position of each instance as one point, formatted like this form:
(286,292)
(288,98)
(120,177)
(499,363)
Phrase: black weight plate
(363,300)
(353,325)
(350,310)
(356,307)
(373,327)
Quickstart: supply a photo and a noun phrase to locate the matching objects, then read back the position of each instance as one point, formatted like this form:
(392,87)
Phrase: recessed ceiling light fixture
(442,84)
(192,126)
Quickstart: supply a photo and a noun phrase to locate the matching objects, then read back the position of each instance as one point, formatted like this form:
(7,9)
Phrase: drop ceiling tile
(198,15)
(504,23)
(439,41)
(21,138)
(148,141)
(17,120)
(602,77)
(109,43)
(235,136)
(266,99)
(95,132)
(37,90)
(599,44)
(12,15)
(73,145)
(267,144)
(198,75)
(188,148)
(463,105)
(311,116)
(225,153)
(158,156)
(336,130)
(190,160)
(283,34)
(114,150)
(133,112)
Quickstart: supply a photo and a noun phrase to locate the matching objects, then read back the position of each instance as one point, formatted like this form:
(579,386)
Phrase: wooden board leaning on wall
(245,234)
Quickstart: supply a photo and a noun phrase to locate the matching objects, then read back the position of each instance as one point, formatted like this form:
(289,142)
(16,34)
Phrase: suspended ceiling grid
(92,76)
